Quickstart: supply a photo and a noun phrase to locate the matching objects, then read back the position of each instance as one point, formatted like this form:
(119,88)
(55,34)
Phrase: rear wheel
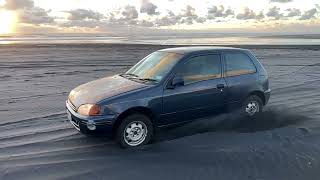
(135,130)
(252,106)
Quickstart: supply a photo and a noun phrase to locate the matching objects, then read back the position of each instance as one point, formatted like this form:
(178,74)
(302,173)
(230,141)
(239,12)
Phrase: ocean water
(164,39)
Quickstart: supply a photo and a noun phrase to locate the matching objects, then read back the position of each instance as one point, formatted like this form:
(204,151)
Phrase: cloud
(275,13)
(145,23)
(190,12)
(127,15)
(83,18)
(148,7)
(84,14)
(201,20)
(281,1)
(309,14)
(28,13)
(189,16)
(219,11)
(150,15)
(35,16)
(79,23)
(249,14)
(18,4)
(130,13)
(292,12)
(167,20)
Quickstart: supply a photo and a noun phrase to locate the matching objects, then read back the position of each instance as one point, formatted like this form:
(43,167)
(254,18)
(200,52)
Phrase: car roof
(199,49)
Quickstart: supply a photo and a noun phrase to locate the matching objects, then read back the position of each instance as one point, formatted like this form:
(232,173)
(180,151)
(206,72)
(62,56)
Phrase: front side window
(238,64)
(155,66)
(201,68)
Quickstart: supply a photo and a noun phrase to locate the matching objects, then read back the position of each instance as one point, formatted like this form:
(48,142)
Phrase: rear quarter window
(238,64)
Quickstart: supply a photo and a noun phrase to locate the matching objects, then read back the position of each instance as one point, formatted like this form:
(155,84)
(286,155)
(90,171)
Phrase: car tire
(134,130)
(252,106)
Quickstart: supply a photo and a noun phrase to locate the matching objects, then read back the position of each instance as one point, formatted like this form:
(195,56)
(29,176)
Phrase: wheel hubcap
(135,133)
(252,108)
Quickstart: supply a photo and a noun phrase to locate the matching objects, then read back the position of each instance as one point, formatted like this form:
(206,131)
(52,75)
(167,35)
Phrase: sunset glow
(8,21)
(84,16)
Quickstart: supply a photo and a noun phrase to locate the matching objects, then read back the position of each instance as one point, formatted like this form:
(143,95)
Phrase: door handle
(220,86)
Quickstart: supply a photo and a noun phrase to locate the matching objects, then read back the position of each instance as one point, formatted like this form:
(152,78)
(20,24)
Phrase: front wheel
(252,106)
(134,130)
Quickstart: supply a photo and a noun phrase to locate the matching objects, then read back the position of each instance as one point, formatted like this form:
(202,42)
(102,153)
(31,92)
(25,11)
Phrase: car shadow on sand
(271,118)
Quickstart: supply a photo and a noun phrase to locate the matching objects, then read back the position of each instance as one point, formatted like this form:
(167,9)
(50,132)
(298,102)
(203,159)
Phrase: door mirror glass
(177,81)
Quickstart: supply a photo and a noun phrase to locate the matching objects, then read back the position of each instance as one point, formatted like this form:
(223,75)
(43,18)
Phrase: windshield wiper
(134,76)
(129,74)
(148,79)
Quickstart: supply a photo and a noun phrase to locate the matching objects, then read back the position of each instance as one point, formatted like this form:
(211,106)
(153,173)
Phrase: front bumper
(267,94)
(104,123)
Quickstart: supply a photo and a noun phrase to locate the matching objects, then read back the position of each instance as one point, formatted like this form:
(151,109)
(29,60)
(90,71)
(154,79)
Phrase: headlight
(90,110)
(72,95)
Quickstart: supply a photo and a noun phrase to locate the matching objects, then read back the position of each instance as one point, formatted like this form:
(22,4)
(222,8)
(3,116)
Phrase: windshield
(155,66)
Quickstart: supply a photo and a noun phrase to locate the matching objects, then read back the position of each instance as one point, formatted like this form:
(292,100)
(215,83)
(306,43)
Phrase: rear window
(238,64)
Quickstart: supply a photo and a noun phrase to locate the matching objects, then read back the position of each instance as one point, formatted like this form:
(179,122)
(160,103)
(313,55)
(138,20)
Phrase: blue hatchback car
(169,87)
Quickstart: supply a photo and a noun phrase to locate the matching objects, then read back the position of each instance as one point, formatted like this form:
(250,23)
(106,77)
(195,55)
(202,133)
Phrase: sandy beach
(37,141)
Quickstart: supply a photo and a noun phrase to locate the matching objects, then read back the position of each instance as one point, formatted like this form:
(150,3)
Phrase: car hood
(95,91)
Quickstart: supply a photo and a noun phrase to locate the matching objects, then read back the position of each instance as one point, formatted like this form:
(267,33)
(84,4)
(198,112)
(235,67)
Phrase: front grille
(75,122)
(72,106)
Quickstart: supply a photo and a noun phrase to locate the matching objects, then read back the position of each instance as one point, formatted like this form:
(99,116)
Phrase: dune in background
(37,141)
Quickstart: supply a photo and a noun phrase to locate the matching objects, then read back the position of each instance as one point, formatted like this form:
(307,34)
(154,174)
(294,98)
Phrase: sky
(141,16)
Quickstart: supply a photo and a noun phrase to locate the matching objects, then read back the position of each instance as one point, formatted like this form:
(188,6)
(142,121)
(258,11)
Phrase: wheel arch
(140,109)
(260,94)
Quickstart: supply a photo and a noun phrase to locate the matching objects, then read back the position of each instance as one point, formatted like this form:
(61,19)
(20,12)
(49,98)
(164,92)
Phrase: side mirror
(177,81)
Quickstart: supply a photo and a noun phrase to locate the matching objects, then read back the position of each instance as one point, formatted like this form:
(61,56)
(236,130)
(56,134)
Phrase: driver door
(202,93)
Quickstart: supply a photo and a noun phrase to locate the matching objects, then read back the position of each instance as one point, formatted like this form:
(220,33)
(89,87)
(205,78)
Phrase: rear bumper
(103,123)
(267,94)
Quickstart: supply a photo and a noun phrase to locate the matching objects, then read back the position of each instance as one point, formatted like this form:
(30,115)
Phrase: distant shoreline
(84,45)
(262,40)
(297,36)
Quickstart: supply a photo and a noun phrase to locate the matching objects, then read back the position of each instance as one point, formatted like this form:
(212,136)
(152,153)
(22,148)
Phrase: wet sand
(37,141)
